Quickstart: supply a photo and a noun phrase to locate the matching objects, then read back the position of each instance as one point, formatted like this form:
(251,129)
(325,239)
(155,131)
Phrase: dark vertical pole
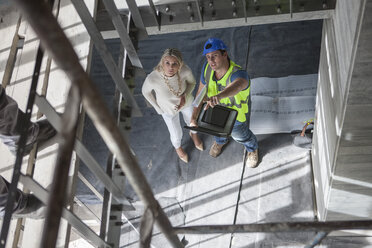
(60,180)
(12,191)
(61,50)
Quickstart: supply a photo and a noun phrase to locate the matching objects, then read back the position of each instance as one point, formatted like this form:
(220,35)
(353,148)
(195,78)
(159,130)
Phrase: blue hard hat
(213,44)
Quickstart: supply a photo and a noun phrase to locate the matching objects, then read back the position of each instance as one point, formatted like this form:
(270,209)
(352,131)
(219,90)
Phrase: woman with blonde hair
(168,88)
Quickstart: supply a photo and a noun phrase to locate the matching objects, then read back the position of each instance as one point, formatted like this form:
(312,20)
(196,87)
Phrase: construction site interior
(112,164)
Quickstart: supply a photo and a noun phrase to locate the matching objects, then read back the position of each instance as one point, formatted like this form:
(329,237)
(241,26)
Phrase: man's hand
(212,101)
(231,90)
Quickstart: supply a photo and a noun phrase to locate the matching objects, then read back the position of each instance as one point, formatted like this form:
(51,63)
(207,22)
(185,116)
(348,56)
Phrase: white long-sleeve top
(157,93)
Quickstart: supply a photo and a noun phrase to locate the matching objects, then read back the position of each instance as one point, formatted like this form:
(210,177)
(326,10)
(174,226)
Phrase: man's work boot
(216,149)
(46,132)
(32,208)
(252,159)
(29,206)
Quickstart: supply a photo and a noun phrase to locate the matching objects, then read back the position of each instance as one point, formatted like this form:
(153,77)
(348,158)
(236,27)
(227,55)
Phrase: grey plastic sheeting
(221,190)
(91,139)
(207,190)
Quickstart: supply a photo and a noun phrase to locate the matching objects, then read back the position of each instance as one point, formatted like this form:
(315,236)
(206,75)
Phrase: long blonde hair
(170,52)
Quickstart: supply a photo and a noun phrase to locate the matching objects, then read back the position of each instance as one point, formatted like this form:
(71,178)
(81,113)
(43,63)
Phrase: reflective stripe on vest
(239,102)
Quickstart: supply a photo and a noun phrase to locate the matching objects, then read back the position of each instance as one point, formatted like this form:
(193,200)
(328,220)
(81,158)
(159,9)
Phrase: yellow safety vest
(239,102)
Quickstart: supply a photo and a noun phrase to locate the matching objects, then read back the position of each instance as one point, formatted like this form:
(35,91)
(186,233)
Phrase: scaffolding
(82,92)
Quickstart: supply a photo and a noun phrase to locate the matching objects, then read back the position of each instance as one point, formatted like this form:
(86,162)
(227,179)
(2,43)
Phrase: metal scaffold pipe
(60,178)
(58,46)
(277,227)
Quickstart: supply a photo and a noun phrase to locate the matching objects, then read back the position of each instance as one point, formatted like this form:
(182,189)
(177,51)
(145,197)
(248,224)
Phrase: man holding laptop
(227,84)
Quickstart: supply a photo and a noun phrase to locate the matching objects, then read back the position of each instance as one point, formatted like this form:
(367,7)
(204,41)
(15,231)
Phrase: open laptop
(217,121)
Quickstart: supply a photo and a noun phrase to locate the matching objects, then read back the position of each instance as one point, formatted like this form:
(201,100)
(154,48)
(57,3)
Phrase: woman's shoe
(197,141)
(182,155)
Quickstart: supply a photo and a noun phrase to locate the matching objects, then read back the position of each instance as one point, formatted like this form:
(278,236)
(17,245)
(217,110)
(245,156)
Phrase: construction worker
(227,85)
(168,88)
(11,119)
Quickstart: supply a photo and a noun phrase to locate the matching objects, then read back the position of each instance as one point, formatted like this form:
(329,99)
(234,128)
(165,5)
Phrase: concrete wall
(342,152)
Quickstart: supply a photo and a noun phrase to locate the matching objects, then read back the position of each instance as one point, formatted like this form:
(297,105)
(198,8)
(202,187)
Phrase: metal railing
(55,41)
(83,91)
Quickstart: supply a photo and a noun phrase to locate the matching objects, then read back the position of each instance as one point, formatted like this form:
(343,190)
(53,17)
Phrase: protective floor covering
(220,190)
(281,105)
(268,51)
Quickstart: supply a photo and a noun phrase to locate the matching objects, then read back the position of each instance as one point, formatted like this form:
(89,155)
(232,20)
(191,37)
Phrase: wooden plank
(355,159)
(352,185)
(9,67)
(360,171)
(8,28)
(327,109)
(321,164)
(358,117)
(338,49)
(19,85)
(318,182)
(349,205)
(345,29)
(350,196)
(325,136)
(329,48)
(344,150)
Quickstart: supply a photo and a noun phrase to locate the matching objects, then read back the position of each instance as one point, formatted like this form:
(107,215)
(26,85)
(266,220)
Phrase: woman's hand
(193,123)
(182,102)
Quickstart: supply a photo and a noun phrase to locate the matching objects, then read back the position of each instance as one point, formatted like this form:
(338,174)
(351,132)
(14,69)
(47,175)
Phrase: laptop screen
(216,116)
(218,121)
